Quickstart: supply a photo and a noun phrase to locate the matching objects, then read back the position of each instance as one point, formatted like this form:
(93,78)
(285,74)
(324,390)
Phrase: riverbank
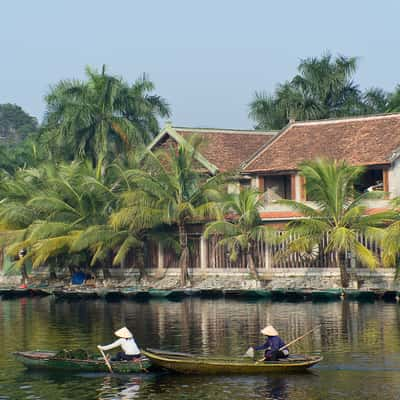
(292,285)
(82,292)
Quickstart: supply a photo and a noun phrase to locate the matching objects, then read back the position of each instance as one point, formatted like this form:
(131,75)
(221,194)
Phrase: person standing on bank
(272,345)
(130,350)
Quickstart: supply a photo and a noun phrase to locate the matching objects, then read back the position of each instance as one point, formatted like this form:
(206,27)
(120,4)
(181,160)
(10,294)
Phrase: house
(270,162)
(370,141)
(221,150)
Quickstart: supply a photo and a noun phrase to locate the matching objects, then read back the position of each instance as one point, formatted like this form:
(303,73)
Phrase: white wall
(394,179)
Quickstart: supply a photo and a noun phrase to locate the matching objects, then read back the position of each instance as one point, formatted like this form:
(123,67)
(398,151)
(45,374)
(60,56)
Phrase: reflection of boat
(193,364)
(48,360)
(77,294)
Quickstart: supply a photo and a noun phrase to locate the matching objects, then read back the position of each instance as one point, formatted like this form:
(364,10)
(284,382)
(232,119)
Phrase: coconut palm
(170,191)
(338,214)
(242,226)
(391,240)
(102,117)
(58,210)
(323,88)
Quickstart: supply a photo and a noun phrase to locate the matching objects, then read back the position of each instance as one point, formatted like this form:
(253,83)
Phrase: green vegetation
(83,190)
(173,193)
(15,123)
(391,240)
(244,227)
(102,118)
(339,215)
(323,88)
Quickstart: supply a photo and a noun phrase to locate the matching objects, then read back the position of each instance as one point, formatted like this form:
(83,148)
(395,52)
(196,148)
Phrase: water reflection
(360,343)
(274,389)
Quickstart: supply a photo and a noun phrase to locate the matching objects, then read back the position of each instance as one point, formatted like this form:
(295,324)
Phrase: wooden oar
(299,338)
(106,361)
(294,341)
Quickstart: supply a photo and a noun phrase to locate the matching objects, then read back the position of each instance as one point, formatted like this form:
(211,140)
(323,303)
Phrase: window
(371,180)
(277,187)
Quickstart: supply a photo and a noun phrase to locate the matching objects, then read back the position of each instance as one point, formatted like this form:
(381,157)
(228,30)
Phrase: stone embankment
(289,288)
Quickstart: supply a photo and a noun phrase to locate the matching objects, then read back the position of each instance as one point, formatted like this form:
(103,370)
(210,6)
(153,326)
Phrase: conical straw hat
(123,333)
(269,331)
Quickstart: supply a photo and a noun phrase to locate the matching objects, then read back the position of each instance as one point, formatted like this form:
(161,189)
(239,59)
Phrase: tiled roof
(227,149)
(360,141)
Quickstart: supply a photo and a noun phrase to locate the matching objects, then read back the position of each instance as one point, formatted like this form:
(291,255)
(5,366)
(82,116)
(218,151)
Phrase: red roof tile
(227,149)
(360,141)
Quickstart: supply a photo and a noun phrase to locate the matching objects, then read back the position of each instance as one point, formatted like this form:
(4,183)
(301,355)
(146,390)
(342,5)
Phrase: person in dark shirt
(272,345)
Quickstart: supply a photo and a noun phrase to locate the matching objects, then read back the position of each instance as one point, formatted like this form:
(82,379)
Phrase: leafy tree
(323,88)
(243,228)
(15,123)
(339,215)
(170,192)
(394,101)
(103,117)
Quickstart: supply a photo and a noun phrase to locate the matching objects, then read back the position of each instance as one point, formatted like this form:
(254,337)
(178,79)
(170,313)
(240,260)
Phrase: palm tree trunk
(24,275)
(184,258)
(341,264)
(250,263)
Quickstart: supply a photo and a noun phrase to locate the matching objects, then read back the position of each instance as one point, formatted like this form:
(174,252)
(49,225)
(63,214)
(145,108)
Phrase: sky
(206,57)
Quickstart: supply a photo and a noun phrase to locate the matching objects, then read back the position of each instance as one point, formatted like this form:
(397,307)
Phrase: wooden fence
(266,256)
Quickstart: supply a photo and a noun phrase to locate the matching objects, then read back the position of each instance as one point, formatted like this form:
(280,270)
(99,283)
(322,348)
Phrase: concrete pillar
(203,253)
(267,258)
(298,187)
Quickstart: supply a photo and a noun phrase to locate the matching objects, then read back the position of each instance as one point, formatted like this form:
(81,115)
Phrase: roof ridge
(345,119)
(239,131)
(265,146)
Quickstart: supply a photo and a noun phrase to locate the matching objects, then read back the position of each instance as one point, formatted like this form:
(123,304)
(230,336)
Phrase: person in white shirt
(130,350)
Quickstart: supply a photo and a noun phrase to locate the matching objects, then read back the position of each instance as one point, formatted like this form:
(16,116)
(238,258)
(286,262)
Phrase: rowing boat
(193,364)
(49,360)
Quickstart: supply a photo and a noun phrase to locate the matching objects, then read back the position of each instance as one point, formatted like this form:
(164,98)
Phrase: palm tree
(391,240)
(172,192)
(338,214)
(102,117)
(323,88)
(56,211)
(243,227)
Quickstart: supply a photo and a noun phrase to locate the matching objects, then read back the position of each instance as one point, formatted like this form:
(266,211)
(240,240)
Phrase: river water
(360,343)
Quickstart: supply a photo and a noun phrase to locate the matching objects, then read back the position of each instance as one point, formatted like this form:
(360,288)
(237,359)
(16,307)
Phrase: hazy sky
(206,57)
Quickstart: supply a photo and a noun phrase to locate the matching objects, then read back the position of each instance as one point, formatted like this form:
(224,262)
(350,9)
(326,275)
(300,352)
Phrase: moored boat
(193,364)
(49,360)
(360,295)
(326,294)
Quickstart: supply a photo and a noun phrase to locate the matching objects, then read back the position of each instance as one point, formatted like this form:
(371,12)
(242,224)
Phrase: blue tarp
(78,278)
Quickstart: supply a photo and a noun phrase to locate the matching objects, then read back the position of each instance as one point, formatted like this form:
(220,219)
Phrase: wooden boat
(242,293)
(135,294)
(360,295)
(75,294)
(263,293)
(48,360)
(326,294)
(159,292)
(193,364)
(211,293)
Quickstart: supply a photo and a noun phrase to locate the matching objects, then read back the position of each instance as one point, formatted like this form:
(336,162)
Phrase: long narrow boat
(193,364)
(48,360)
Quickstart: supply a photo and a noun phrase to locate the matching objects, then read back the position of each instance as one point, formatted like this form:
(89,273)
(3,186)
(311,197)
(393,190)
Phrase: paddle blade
(249,353)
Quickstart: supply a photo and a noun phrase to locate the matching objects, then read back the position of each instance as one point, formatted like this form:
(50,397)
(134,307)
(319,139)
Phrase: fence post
(203,252)
(267,257)
(160,258)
